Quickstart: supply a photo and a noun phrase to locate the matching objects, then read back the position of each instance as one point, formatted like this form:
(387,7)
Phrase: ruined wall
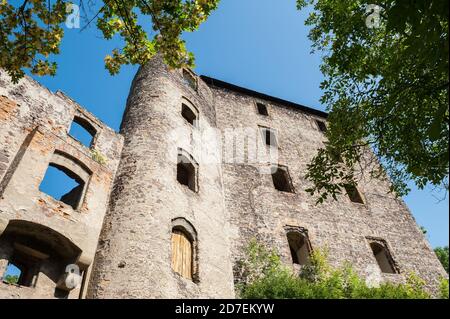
(126,219)
(260,211)
(34,124)
(134,257)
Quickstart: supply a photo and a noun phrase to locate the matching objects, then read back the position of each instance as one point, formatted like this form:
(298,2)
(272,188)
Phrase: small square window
(354,195)
(322,126)
(281,179)
(262,109)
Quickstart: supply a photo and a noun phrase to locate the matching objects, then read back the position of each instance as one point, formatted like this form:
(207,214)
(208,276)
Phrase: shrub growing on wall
(261,275)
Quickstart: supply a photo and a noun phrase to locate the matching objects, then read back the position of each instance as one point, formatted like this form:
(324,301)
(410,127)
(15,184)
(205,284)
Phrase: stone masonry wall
(260,211)
(134,257)
(34,123)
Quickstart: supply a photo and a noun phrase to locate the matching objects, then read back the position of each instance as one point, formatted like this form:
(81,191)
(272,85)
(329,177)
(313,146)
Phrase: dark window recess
(269,137)
(63,185)
(82,131)
(189,115)
(281,180)
(190,79)
(186,173)
(383,258)
(322,126)
(354,194)
(299,247)
(262,109)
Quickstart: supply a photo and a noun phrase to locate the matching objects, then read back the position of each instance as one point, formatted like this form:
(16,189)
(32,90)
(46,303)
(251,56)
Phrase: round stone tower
(166,232)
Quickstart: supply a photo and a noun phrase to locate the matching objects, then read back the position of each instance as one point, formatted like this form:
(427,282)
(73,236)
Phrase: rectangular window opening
(322,126)
(281,180)
(354,195)
(262,109)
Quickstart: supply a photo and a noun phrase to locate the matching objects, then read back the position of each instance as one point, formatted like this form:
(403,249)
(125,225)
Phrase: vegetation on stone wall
(442,254)
(11,279)
(262,275)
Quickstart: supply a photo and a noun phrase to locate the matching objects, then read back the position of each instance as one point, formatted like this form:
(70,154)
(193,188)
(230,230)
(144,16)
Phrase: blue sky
(257,44)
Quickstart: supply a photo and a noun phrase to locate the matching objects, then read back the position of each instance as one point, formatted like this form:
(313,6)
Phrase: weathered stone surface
(133,202)
(33,125)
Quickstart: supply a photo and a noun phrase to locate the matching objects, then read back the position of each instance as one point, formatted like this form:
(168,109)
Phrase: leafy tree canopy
(442,254)
(386,88)
(31,31)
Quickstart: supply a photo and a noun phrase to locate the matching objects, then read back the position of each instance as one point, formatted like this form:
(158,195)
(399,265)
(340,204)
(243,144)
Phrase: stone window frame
(76,167)
(191,160)
(185,226)
(192,82)
(185,101)
(86,122)
(259,102)
(274,168)
(262,129)
(382,242)
(303,232)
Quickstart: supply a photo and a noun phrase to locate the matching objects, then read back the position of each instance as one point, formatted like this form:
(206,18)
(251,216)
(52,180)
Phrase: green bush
(262,276)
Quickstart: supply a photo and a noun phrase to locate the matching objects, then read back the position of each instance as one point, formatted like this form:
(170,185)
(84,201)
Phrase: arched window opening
(82,131)
(31,250)
(383,257)
(63,183)
(299,246)
(184,249)
(190,114)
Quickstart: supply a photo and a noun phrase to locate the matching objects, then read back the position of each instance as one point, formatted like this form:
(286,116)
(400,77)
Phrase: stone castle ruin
(164,208)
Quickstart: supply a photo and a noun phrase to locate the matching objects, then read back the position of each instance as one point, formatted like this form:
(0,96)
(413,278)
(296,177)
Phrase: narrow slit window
(182,254)
(187,172)
(354,195)
(269,136)
(262,109)
(299,247)
(383,258)
(82,131)
(189,115)
(281,180)
(322,126)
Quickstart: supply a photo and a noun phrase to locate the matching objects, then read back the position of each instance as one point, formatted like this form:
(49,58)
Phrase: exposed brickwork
(33,125)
